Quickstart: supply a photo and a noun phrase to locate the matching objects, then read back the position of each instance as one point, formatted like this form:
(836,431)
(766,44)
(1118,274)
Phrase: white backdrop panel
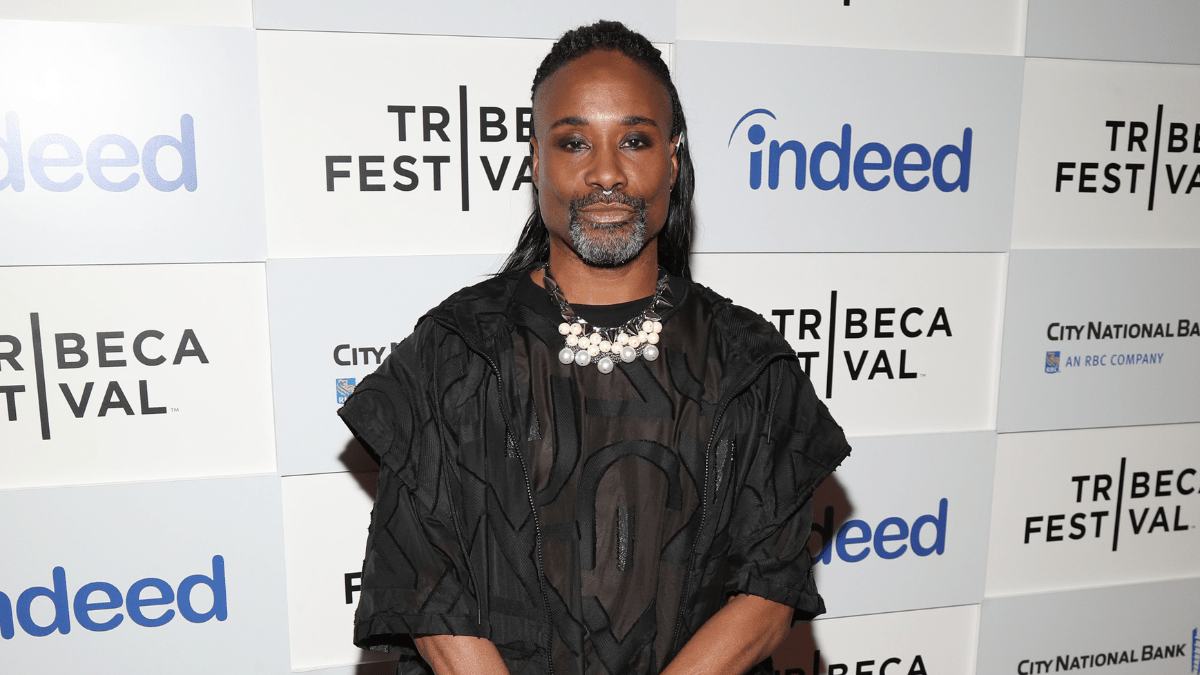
(133,372)
(211,549)
(1109,628)
(904,524)
(525,18)
(123,144)
(970,26)
(1075,350)
(333,321)
(1110,156)
(365,156)
(894,343)
(1102,507)
(898,151)
(900,643)
(325,533)
(207,13)
(1116,30)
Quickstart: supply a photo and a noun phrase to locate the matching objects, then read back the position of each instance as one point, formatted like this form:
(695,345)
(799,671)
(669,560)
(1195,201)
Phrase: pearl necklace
(589,344)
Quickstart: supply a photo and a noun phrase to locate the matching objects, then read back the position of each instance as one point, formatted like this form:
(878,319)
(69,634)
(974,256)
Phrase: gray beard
(608,245)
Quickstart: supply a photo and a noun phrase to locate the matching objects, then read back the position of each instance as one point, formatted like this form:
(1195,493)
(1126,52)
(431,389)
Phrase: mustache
(597,197)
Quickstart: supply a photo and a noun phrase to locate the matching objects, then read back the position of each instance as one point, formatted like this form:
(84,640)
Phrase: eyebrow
(629,121)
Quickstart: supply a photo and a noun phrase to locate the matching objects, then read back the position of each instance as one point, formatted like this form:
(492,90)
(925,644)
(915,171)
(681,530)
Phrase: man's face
(603,122)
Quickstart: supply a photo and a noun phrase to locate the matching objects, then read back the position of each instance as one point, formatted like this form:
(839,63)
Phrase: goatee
(607,244)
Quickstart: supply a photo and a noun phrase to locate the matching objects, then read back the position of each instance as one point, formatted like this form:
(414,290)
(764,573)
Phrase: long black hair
(675,239)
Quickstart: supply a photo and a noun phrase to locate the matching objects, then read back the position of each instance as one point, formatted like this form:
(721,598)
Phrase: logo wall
(1107,506)
(898,149)
(882,549)
(124,373)
(128,577)
(925,642)
(147,149)
(1110,156)
(893,343)
(326,337)
(1147,629)
(973,28)
(364,158)
(1086,347)
(325,529)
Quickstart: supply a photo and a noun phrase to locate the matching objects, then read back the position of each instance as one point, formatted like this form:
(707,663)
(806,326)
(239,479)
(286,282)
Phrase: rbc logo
(1052,362)
(870,164)
(345,387)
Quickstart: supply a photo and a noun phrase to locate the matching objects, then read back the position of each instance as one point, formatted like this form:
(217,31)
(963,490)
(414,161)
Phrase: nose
(606,170)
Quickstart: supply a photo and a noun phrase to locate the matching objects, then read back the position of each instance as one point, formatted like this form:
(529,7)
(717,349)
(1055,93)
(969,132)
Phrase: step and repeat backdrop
(976,221)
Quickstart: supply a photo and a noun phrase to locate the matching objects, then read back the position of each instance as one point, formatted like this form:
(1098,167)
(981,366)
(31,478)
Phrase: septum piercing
(606,192)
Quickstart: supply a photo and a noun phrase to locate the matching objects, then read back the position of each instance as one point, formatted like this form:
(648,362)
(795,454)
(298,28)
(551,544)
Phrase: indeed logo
(51,156)
(829,164)
(890,539)
(92,602)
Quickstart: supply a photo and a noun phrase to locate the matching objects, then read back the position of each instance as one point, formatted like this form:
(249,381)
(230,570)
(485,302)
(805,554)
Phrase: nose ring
(606,192)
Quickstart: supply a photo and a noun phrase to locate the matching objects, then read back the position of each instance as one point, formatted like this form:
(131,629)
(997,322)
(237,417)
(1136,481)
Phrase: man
(595,466)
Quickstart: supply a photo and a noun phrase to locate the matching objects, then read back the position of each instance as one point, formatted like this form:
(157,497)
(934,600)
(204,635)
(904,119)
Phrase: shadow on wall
(800,654)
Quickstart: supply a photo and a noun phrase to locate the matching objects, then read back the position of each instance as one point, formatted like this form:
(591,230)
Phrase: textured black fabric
(595,521)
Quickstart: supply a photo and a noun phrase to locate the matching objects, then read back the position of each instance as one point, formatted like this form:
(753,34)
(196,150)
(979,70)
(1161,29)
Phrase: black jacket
(456,544)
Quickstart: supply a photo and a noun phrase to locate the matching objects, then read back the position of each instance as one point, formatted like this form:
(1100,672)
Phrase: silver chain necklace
(586,344)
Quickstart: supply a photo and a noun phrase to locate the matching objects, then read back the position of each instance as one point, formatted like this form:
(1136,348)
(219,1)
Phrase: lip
(607,214)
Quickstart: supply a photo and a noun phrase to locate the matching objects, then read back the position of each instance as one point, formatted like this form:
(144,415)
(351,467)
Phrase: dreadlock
(675,239)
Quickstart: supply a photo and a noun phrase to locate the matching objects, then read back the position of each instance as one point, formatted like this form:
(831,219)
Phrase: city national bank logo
(1101,330)
(905,324)
(96,606)
(425,164)
(53,357)
(829,164)
(1129,163)
(1147,653)
(345,387)
(109,161)
(1141,503)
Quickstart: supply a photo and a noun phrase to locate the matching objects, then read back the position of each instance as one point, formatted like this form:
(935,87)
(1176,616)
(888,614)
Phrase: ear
(533,143)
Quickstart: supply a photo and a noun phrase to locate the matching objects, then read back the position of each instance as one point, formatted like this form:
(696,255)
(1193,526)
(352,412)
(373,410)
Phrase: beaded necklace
(586,344)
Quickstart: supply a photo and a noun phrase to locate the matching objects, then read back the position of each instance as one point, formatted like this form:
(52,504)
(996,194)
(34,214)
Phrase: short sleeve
(415,579)
(793,444)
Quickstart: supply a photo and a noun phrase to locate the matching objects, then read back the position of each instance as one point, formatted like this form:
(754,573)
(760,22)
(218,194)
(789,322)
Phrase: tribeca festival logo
(1126,171)
(891,323)
(892,665)
(874,166)
(110,160)
(74,351)
(1101,330)
(434,162)
(1106,504)
(146,601)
